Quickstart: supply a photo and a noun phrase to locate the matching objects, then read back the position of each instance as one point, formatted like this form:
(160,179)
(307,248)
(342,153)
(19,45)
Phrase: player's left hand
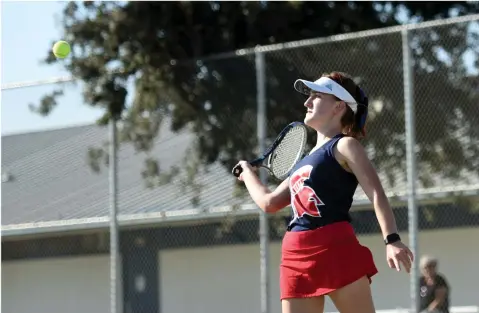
(398,253)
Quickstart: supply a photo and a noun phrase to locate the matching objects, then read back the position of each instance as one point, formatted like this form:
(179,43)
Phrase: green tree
(166,49)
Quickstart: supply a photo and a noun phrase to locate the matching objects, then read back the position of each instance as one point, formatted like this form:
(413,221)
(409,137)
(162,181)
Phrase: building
(177,257)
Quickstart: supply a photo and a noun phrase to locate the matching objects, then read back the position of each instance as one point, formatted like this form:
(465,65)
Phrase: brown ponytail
(353,124)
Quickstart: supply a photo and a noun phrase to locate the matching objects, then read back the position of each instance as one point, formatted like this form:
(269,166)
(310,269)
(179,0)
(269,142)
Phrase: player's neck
(325,134)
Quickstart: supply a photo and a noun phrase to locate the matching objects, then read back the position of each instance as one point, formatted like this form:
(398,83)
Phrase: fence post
(263,218)
(114,237)
(411,166)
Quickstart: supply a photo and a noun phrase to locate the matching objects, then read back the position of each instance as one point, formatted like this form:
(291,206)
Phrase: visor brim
(305,87)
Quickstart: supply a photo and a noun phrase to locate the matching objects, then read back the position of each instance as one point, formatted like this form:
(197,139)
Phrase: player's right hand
(247,168)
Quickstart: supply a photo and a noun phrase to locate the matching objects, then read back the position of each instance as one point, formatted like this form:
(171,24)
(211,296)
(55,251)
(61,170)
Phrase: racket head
(288,151)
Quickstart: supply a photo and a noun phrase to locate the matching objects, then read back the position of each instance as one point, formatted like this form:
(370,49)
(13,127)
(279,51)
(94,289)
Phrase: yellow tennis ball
(61,49)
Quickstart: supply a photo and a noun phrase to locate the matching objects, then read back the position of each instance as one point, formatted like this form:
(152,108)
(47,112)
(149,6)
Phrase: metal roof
(50,186)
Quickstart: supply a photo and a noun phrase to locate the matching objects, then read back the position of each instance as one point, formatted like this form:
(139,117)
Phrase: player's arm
(269,201)
(350,151)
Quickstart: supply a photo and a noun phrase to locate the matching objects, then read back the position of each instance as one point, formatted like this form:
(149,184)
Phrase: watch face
(392,238)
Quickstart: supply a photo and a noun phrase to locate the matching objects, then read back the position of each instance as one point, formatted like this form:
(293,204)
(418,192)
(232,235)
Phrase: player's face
(320,108)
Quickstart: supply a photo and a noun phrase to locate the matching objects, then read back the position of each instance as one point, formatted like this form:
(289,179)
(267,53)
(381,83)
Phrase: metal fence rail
(454,309)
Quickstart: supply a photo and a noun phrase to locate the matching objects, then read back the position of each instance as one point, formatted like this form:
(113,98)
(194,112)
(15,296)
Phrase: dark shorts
(317,262)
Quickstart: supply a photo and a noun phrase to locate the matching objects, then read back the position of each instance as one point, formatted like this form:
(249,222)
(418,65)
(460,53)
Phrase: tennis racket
(287,149)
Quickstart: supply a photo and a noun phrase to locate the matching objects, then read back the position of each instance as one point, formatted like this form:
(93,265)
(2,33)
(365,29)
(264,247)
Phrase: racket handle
(237,170)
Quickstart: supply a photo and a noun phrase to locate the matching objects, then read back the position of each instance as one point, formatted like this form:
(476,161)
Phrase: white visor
(328,86)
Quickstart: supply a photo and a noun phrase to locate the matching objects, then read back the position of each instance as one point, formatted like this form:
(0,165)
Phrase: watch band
(391,238)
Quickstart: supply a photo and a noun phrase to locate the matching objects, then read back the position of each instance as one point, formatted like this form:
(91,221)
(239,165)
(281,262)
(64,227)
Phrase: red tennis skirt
(317,262)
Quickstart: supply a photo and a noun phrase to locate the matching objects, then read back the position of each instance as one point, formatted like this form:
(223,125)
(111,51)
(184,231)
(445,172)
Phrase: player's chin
(309,120)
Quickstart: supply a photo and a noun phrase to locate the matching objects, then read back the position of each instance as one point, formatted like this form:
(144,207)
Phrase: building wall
(220,278)
(68,285)
(226,278)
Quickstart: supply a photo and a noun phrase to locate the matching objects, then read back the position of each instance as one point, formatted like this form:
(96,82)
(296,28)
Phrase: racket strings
(288,152)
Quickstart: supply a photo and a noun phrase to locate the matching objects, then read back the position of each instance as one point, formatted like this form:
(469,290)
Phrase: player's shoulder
(347,145)
(348,149)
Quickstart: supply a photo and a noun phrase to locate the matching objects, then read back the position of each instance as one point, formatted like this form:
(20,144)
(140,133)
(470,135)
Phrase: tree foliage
(165,50)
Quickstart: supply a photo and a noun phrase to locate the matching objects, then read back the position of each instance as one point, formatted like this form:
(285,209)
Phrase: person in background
(434,289)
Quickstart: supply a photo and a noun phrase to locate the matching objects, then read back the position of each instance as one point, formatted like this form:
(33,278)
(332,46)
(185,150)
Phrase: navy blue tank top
(321,189)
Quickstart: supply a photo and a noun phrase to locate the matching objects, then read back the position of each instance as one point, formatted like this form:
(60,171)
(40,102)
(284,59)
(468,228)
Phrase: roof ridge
(47,130)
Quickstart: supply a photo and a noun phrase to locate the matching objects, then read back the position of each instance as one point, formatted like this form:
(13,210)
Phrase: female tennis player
(321,254)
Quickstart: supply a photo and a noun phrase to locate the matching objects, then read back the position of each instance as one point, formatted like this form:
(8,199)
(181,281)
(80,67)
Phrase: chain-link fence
(189,234)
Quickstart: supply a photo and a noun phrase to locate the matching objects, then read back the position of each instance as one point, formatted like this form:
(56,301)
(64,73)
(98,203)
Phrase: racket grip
(237,170)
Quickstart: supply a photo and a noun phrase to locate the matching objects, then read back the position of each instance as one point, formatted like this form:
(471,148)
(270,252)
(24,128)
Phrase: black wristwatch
(392,238)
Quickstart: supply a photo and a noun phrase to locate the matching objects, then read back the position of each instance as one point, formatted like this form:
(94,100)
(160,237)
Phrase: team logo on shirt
(303,198)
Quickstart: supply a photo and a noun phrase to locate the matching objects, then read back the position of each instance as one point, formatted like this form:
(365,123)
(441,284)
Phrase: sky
(22,51)
(35,26)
